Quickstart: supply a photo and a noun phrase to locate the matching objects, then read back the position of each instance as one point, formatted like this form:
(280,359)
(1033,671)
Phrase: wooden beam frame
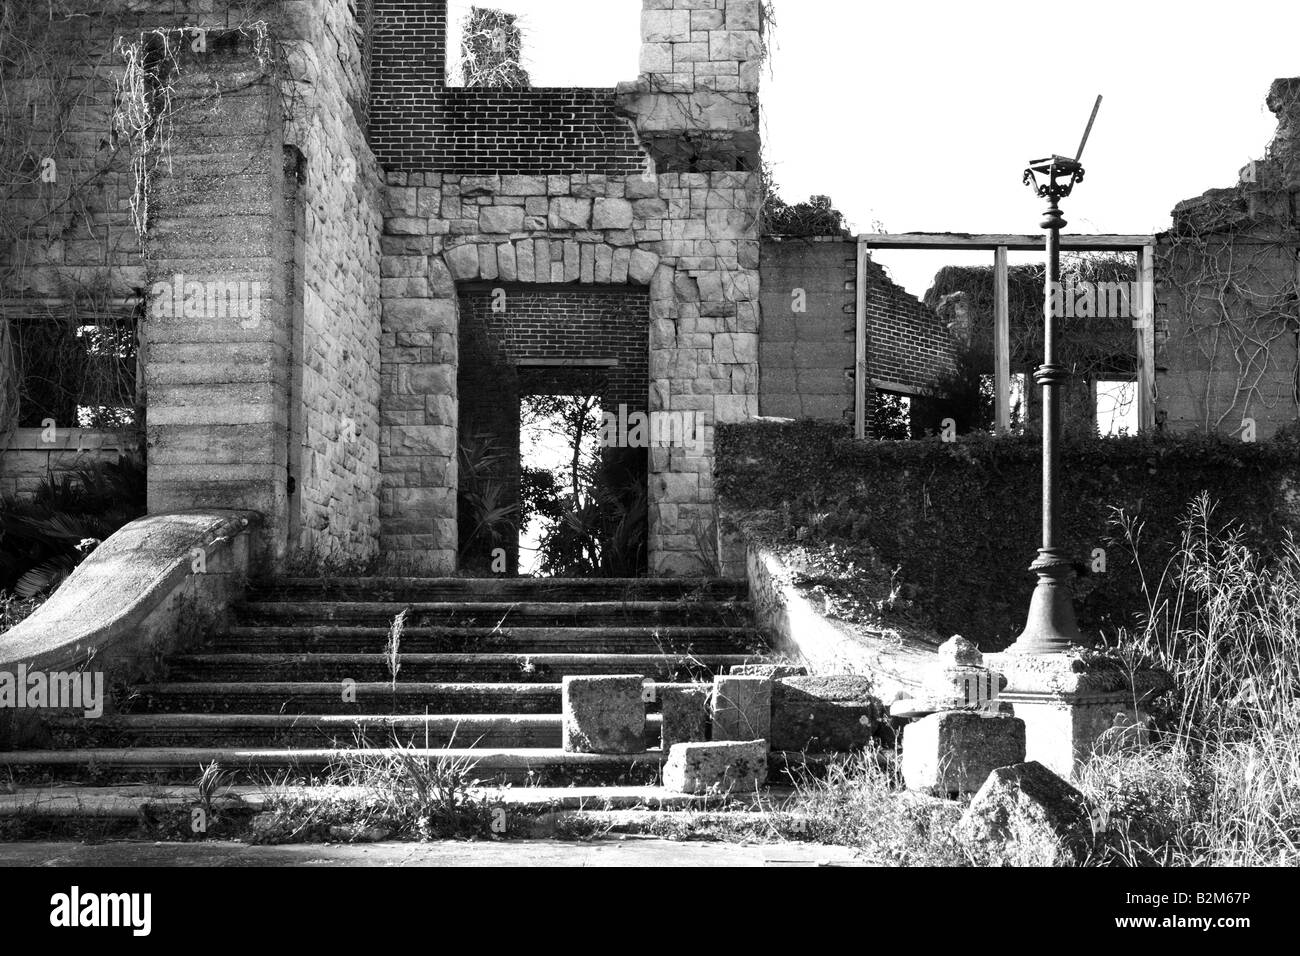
(860,370)
(1010,241)
(1001,343)
(1000,244)
(1145,326)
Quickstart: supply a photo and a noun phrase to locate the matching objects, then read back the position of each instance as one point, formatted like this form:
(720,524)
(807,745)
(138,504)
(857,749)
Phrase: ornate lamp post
(1051,627)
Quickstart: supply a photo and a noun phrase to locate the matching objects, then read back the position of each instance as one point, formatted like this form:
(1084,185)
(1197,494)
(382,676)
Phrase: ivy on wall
(958,523)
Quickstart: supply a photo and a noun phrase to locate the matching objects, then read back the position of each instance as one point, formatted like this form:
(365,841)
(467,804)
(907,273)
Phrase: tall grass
(1220,786)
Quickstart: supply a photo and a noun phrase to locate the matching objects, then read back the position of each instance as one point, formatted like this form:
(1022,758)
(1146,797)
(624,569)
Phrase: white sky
(921,115)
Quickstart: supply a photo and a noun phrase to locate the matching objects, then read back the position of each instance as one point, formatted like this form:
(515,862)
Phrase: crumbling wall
(264,395)
(909,345)
(807,358)
(419,123)
(68,253)
(586,214)
(1227,283)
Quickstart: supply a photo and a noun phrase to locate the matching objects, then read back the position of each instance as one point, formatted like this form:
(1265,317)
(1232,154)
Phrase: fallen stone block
(603,714)
(1025,815)
(724,766)
(955,751)
(824,714)
(742,708)
(773,671)
(685,715)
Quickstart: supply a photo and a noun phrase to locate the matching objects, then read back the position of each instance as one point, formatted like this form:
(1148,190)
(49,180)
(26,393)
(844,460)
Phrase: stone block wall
(1227,330)
(68,252)
(688,237)
(336,398)
(267,401)
(29,459)
(807,359)
(216,378)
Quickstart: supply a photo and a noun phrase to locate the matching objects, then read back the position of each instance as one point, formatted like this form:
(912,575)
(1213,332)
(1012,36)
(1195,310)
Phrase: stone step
(493,613)
(490,764)
(496,589)
(296,697)
(332,638)
(133,802)
(447,668)
(324,730)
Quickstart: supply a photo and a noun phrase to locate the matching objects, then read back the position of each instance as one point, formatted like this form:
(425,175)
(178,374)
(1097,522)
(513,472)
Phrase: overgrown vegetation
(487,518)
(593,507)
(492,50)
(1093,348)
(374,794)
(1220,786)
(42,539)
(816,216)
(951,527)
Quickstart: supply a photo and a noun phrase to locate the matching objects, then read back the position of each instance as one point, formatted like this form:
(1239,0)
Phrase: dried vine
(1232,268)
(50,170)
(145,98)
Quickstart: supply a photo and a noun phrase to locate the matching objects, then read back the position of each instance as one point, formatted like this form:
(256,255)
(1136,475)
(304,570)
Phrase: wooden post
(860,370)
(1145,325)
(1001,343)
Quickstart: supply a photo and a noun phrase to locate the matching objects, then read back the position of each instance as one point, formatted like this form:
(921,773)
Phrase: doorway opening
(544,486)
(582,499)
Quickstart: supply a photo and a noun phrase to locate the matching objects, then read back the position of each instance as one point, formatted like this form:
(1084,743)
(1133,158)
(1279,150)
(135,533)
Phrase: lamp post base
(1051,627)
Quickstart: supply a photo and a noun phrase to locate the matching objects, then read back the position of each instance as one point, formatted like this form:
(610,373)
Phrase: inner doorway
(545,488)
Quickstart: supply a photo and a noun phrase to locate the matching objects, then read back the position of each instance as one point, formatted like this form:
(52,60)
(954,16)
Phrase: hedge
(962,519)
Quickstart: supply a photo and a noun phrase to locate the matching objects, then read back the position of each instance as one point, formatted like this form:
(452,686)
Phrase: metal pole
(1051,627)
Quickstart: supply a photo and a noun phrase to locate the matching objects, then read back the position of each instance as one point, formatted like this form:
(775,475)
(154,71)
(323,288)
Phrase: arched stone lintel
(548,260)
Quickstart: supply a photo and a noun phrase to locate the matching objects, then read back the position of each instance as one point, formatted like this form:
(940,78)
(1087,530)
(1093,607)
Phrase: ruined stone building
(278,238)
(339,266)
(1228,295)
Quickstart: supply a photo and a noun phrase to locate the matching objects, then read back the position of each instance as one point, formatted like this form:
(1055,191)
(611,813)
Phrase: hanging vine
(1231,273)
(145,102)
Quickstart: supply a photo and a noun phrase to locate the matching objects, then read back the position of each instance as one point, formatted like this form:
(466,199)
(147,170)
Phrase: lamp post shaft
(1051,627)
(1052,222)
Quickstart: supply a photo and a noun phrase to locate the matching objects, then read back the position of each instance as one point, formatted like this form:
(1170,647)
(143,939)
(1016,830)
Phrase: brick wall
(596,323)
(908,344)
(419,123)
(806,360)
(500,352)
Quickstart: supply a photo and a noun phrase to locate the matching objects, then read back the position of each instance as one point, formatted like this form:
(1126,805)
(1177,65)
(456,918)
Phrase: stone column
(216,332)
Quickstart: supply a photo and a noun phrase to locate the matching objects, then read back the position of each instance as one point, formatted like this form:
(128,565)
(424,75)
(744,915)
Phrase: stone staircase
(301,681)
